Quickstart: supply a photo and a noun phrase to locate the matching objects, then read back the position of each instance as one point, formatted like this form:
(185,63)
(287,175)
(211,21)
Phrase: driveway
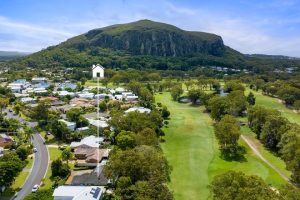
(39,167)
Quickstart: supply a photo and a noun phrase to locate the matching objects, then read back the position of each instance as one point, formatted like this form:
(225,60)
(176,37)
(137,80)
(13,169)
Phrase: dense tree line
(278,135)
(11,164)
(236,186)
(137,165)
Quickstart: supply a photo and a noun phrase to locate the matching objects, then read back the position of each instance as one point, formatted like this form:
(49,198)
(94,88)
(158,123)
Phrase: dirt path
(256,152)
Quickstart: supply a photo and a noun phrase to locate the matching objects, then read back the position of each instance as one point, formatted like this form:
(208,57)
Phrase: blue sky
(256,26)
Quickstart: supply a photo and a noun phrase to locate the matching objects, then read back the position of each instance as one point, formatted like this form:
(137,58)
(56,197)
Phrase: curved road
(39,167)
(256,152)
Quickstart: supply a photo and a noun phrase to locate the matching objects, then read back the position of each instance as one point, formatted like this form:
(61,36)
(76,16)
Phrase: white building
(138,109)
(70,125)
(85,95)
(88,142)
(78,193)
(27,100)
(98,71)
(65,93)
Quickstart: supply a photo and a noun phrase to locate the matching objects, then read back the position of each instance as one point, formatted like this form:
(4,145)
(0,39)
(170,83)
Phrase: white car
(34,150)
(35,188)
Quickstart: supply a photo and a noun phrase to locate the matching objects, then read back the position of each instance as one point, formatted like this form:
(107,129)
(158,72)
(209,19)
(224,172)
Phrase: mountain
(10,55)
(146,37)
(147,44)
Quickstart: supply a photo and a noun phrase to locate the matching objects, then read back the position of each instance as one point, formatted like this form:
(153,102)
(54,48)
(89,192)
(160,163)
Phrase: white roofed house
(98,71)
(138,109)
(85,95)
(78,193)
(27,100)
(70,125)
(88,142)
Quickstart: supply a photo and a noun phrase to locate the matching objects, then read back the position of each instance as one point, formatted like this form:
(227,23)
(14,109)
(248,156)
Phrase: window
(98,74)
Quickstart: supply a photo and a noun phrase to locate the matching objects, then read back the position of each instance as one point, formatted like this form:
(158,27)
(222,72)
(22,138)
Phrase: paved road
(256,152)
(39,167)
(40,160)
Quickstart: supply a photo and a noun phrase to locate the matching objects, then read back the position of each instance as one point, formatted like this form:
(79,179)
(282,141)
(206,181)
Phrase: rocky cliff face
(150,38)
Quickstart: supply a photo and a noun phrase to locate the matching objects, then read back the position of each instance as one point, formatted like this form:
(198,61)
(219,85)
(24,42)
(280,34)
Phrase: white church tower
(98,71)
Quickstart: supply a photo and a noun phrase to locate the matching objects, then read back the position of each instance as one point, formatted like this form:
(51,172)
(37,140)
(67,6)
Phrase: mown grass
(275,103)
(192,151)
(54,154)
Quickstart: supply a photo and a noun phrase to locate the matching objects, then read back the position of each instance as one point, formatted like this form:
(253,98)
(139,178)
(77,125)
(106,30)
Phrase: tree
(233,85)
(251,99)
(22,152)
(146,98)
(42,194)
(73,114)
(257,117)
(237,102)
(59,169)
(194,95)
(236,186)
(218,107)
(165,113)
(289,144)
(189,84)
(272,130)
(140,163)
(10,167)
(126,140)
(147,137)
(102,106)
(228,132)
(3,103)
(288,192)
(176,92)
(67,154)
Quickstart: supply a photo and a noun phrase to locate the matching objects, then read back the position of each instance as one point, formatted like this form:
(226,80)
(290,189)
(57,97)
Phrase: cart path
(257,153)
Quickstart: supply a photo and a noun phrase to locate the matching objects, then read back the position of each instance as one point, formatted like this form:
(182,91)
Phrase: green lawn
(54,154)
(274,103)
(192,151)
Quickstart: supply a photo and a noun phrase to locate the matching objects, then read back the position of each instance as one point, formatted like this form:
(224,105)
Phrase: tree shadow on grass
(238,155)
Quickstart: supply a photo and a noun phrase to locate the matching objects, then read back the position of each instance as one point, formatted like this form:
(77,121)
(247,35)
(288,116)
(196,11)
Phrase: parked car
(35,188)
(34,150)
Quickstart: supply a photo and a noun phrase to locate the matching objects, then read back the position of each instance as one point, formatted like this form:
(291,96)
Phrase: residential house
(138,109)
(103,96)
(65,93)
(85,95)
(98,71)
(70,125)
(131,98)
(28,100)
(90,156)
(88,142)
(40,82)
(78,193)
(89,177)
(5,140)
(102,124)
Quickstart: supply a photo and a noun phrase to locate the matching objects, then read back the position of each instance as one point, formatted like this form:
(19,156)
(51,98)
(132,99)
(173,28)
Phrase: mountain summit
(147,37)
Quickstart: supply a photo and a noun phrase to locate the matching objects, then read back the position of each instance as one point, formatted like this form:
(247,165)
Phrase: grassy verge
(54,154)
